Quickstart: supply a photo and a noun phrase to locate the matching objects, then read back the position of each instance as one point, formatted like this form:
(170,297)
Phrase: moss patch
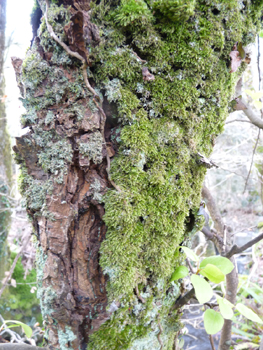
(165,123)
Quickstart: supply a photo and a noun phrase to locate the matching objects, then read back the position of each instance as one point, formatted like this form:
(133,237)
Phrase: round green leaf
(248,313)
(223,264)
(190,254)
(180,272)
(203,290)
(213,321)
(225,308)
(28,330)
(213,273)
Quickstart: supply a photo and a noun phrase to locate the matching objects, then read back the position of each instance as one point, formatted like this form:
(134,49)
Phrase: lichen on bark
(160,73)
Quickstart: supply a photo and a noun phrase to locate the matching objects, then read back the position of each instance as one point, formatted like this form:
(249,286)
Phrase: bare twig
(189,265)
(238,120)
(184,300)
(212,342)
(252,160)
(253,117)
(232,172)
(237,250)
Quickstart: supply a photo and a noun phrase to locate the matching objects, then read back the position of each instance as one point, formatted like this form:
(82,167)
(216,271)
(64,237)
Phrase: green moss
(135,325)
(166,122)
(132,13)
(173,10)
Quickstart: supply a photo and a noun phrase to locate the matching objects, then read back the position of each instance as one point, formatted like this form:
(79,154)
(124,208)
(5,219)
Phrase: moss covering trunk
(111,200)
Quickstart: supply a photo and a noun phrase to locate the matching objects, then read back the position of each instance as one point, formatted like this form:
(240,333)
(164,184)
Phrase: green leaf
(180,272)
(213,321)
(181,343)
(28,330)
(213,273)
(223,264)
(248,313)
(225,308)
(190,254)
(203,290)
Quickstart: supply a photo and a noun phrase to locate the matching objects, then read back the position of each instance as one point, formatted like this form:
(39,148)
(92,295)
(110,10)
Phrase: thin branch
(184,300)
(239,120)
(237,250)
(212,342)
(232,172)
(253,117)
(189,265)
(252,160)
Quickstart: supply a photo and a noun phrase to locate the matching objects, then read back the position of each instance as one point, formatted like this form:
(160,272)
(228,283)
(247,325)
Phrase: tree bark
(158,71)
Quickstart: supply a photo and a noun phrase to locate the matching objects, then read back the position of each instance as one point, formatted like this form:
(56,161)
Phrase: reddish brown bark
(71,237)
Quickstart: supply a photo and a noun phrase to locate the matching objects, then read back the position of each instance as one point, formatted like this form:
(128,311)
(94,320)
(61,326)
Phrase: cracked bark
(71,238)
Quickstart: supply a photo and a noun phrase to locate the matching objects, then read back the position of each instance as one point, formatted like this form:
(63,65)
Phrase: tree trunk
(158,72)
(5,147)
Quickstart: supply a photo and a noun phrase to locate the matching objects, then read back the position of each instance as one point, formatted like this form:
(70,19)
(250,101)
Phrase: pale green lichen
(113,90)
(93,148)
(29,118)
(55,157)
(95,187)
(34,192)
(49,117)
(65,338)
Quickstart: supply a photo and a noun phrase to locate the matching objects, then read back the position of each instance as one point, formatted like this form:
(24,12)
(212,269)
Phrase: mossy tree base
(161,69)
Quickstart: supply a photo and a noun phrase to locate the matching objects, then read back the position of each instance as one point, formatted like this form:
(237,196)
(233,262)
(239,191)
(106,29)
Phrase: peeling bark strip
(120,105)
